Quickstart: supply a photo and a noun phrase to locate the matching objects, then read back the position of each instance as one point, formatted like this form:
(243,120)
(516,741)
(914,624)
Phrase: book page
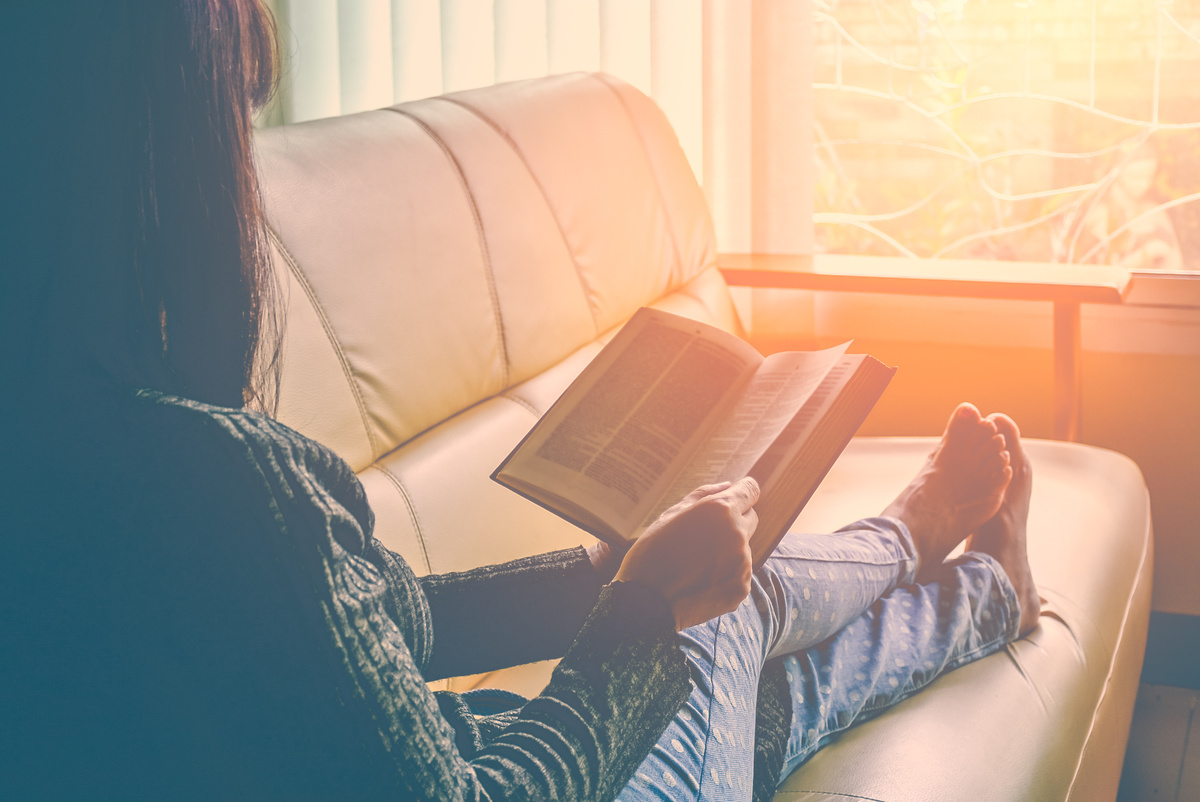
(636,412)
(794,465)
(767,467)
(772,397)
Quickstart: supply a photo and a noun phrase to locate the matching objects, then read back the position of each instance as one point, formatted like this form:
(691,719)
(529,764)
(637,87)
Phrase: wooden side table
(1067,286)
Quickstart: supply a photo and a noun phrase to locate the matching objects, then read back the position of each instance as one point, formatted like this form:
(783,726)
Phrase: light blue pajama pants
(857,634)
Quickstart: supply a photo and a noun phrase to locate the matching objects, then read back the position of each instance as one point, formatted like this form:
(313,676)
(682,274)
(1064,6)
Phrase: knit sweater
(230,628)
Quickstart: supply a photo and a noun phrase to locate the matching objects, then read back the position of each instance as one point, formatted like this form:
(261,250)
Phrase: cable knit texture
(209,616)
(620,682)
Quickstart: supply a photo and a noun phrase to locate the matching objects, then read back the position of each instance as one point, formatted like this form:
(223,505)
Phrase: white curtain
(733,76)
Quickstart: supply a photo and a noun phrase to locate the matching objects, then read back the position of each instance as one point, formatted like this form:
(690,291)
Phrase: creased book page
(612,442)
(766,469)
(780,387)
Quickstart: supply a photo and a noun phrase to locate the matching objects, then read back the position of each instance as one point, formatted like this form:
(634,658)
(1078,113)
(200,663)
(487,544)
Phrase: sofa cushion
(439,252)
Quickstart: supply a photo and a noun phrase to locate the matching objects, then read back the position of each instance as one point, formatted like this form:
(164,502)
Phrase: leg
(893,649)
(1003,536)
(977,604)
(813,585)
(905,641)
(810,588)
(960,487)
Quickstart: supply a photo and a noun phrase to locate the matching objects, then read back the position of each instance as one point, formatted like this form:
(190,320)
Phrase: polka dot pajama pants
(857,636)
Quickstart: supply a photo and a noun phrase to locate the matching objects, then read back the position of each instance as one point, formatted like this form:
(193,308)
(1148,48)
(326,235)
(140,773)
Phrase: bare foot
(1003,536)
(960,487)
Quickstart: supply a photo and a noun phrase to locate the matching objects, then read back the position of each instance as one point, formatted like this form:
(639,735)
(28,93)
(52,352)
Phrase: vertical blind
(734,77)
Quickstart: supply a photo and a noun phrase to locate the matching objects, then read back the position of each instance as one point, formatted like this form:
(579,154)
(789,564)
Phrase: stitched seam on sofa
(662,200)
(521,402)
(333,340)
(489,271)
(412,512)
(587,290)
(1113,662)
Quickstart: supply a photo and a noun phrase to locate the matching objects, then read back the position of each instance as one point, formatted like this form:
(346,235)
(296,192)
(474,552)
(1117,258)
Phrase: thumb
(744,493)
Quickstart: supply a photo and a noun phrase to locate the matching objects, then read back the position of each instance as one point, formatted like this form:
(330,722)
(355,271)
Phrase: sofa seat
(449,265)
(1047,718)
(1044,720)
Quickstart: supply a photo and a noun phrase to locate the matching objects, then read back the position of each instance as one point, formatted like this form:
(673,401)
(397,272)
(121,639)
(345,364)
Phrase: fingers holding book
(697,555)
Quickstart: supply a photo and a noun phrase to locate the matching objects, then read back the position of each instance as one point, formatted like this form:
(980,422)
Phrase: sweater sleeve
(510,614)
(610,698)
(619,684)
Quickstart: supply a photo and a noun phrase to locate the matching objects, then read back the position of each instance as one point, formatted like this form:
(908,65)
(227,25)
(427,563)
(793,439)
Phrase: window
(727,73)
(1035,130)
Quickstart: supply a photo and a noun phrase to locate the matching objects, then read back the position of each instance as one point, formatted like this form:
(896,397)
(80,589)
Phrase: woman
(194,600)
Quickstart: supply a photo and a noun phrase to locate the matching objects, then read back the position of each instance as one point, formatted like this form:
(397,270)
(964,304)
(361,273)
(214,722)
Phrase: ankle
(910,561)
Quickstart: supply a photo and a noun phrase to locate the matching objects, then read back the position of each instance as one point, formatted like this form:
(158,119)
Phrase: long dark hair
(143,260)
(200,257)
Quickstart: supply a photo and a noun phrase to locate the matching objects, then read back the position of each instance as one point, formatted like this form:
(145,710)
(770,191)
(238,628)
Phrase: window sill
(959,278)
(1099,307)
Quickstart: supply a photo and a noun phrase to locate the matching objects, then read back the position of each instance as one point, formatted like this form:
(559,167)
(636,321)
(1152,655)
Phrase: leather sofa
(449,265)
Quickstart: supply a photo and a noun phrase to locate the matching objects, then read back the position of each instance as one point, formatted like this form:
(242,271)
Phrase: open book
(671,404)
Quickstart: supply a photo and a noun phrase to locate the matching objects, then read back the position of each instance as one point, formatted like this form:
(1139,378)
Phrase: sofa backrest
(449,265)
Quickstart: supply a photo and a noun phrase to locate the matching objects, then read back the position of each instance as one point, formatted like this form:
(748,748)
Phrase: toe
(964,428)
(1009,431)
(992,445)
(964,418)
(1018,462)
(996,461)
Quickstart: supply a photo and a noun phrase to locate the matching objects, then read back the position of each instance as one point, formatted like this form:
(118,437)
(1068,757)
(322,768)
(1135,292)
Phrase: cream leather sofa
(450,264)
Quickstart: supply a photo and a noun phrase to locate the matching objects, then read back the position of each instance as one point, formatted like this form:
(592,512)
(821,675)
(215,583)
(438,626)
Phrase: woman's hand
(605,560)
(697,554)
